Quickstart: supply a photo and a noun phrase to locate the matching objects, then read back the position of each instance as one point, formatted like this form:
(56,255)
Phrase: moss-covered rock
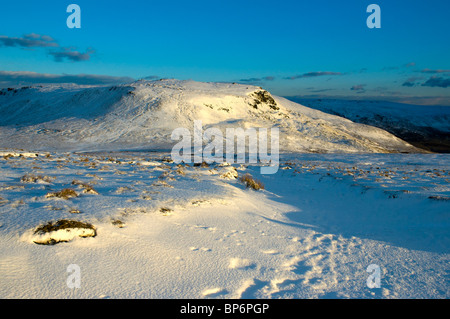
(62,231)
(264,97)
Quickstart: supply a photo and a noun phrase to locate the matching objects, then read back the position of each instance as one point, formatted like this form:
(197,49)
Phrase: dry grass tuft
(165,211)
(87,188)
(62,224)
(202,164)
(250,182)
(28,178)
(66,193)
(118,223)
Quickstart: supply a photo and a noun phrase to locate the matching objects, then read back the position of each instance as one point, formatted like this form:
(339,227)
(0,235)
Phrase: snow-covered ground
(175,231)
(137,225)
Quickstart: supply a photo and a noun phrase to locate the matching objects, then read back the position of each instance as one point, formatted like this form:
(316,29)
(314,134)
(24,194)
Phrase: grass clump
(202,164)
(118,223)
(87,188)
(443,198)
(62,231)
(28,178)
(165,211)
(62,224)
(3,201)
(66,193)
(250,182)
(180,171)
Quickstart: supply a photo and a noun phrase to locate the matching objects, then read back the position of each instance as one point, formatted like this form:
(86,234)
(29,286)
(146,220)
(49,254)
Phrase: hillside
(142,115)
(424,126)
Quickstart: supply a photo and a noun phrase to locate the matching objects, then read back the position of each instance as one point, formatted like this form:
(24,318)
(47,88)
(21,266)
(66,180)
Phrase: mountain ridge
(142,115)
(424,126)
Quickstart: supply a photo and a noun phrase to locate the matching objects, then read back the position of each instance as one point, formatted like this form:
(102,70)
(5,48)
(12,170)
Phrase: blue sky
(309,48)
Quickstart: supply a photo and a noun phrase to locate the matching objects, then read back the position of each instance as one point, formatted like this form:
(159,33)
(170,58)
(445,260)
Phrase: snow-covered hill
(425,126)
(143,114)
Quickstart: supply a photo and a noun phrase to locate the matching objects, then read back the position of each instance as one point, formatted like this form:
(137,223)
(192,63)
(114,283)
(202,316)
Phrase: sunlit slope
(143,114)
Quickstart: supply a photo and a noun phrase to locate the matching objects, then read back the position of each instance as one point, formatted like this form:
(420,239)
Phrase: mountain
(143,114)
(424,126)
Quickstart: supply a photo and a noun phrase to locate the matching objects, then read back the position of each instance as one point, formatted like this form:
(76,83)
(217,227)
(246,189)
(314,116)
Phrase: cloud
(313,90)
(250,80)
(391,97)
(23,78)
(28,41)
(409,84)
(436,81)
(312,74)
(411,81)
(151,77)
(34,40)
(359,88)
(257,80)
(403,66)
(70,54)
(434,71)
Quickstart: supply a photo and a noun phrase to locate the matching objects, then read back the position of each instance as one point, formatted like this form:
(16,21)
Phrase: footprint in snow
(199,249)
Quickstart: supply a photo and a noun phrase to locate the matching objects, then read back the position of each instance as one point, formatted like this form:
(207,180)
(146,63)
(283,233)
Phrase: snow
(61,235)
(143,114)
(311,233)
(344,198)
(427,126)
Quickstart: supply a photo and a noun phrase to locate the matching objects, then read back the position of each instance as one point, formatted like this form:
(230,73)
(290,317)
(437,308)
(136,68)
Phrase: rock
(62,231)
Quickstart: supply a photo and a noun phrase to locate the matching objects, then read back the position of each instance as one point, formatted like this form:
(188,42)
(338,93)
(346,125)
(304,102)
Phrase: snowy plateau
(86,179)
